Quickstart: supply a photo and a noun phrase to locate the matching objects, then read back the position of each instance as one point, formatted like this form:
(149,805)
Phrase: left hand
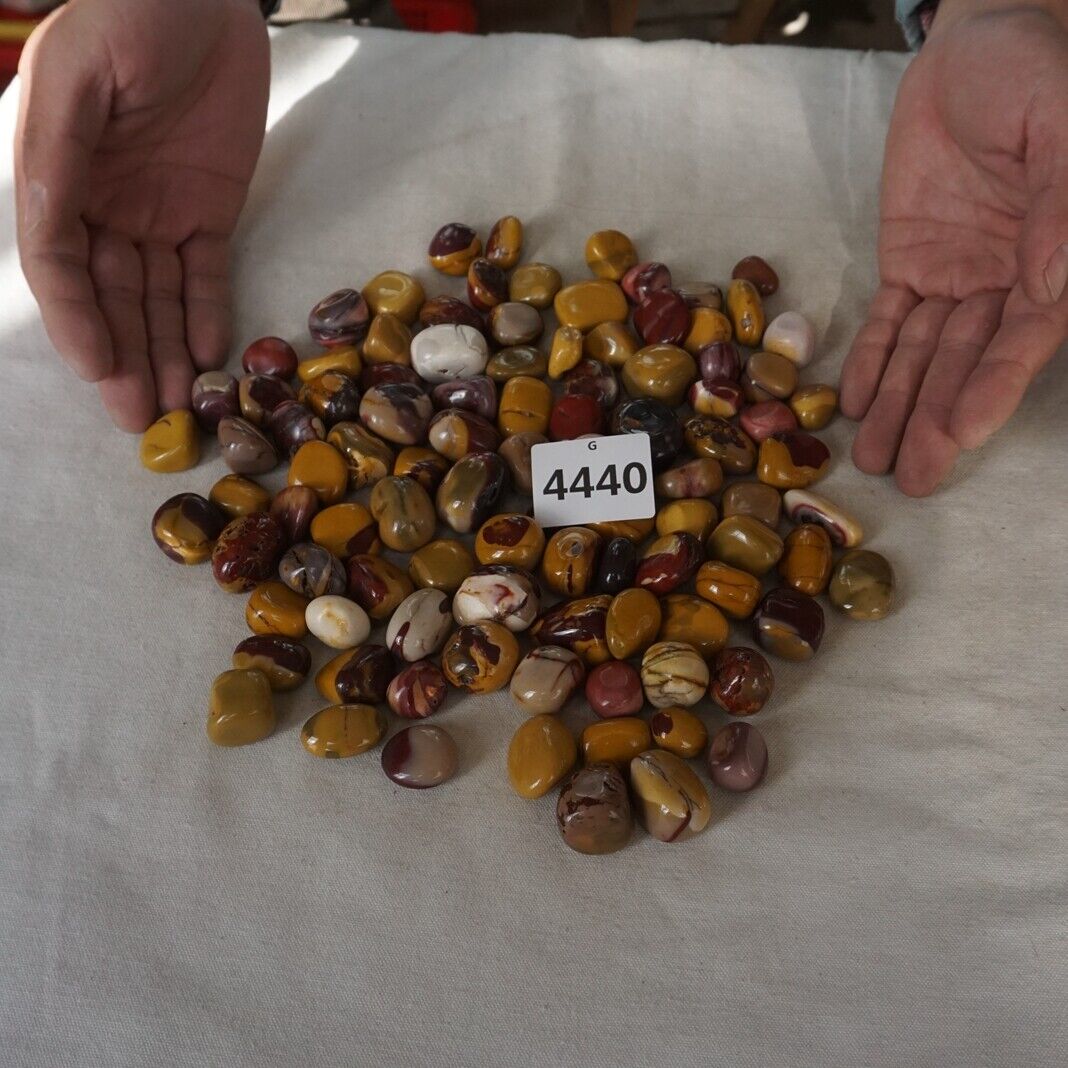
(973,241)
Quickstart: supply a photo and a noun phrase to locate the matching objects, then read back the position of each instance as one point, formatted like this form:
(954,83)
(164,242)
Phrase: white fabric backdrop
(894,894)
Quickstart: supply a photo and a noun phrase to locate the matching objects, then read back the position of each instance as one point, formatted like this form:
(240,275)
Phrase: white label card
(592,480)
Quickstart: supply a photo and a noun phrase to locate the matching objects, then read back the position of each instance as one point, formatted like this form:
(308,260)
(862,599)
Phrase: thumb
(64,104)
(1042,253)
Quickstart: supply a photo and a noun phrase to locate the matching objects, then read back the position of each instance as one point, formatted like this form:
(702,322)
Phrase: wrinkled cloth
(893,894)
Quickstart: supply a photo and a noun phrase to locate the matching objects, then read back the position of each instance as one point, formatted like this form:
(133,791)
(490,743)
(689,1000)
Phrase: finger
(63,107)
(863,367)
(168,354)
(1028,336)
(1043,248)
(928,450)
(206,270)
(879,436)
(129,392)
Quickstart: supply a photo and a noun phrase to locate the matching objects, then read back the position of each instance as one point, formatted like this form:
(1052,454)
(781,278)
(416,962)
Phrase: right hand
(139,129)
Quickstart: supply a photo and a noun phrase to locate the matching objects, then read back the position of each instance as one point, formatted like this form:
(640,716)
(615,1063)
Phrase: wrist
(951,12)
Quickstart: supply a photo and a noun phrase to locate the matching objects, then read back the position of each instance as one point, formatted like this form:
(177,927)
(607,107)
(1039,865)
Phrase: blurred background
(811,23)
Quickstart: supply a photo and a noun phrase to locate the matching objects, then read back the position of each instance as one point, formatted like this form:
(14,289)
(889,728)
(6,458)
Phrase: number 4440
(634,479)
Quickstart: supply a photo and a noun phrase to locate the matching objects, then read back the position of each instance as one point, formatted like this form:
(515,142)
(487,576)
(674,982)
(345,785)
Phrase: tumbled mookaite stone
(663,317)
(814,405)
(405,513)
(247,552)
(707,327)
(669,562)
(673,673)
(171,443)
(661,371)
(791,335)
(577,625)
(804,506)
(487,284)
(595,379)
(746,543)
(632,622)
(388,341)
(546,678)
(441,565)
(575,415)
(477,394)
(615,741)
(510,539)
(569,563)
(767,376)
(505,242)
(692,620)
(672,801)
(343,358)
(455,433)
(394,293)
(614,689)
(643,279)
(357,676)
(245,449)
(565,351)
(541,752)
(535,284)
(718,361)
(862,585)
(695,515)
(449,351)
(442,310)
(593,810)
(498,593)
(716,396)
(793,459)
(377,585)
(708,435)
(515,451)
(420,756)
(292,424)
(343,730)
(517,360)
(418,691)
(696,478)
(425,466)
(185,528)
(515,323)
(318,465)
(480,657)
(470,491)
(525,406)
(214,396)
(241,709)
(273,608)
(700,294)
(746,311)
(259,395)
(293,509)
(312,571)
(453,248)
(346,529)
(765,418)
(610,343)
(617,567)
(339,319)
(742,681)
(755,499)
(678,731)
(333,396)
(729,589)
(738,757)
(759,272)
(585,305)
(337,621)
(789,624)
(646,415)
(610,254)
(285,662)
(397,412)
(420,625)
(806,561)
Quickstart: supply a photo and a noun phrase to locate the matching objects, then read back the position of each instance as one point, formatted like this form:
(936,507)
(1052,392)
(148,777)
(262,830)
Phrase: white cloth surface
(894,894)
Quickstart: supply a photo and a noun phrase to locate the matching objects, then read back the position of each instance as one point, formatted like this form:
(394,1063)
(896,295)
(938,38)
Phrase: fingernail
(34,209)
(1057,273)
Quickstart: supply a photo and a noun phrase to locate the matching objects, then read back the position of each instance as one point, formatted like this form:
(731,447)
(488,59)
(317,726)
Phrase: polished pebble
(388,341)
(441,565)
(247,552)
(754,499)
(505,242)
(171,443)
(332,396)
(610,254)
(694,515)
(575,415)
(245,449)
(449,351)
(593,810)
(585,305)
(500,594)
(320,466)
(741,681)
(615,741)
(678,731)
(241,710)
(565,351)
(789,624)
(814,405)
(671,801)
(719,360)
(668,563)
(394,293)
(337,621)
(569,563)
(747,544)
(862,585)
(661,371)
(293,508)
(512,539)
(686,618)
(468,494)
(477,394)
(453,248)
(708,435)
(673,673)
(420,757)
(480,657)
(804,506)
(646,415)
(791,335)
(404,512)
(614,689)
(292,424)
(542,751)
(339,319)
(343,358)
(611,344)
(643,279)
(345,529)
(185,528)
(420,625)
(695,478)
(617,566)
(213,397)
(236,495)
(377,585)
(767,376)
(517,360)
(487,284)
(398,412)
(746,311)
(526,404)
(578,625)
(515,323)
(730,589)
(759,272)
(663,317)
(807,558)
(343,731)
(765,418)
(792,460)
(545,679)
(535,284)
(441,311)
(273,608)
(594,378)
(357,676)
(285,662)
(632,622)
(418,691)
(717,396)
(426,466)
(738,757)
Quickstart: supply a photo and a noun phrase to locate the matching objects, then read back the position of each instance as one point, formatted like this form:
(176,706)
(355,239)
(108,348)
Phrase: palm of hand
(953,336)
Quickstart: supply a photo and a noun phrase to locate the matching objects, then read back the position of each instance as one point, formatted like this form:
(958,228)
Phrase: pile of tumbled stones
(428,409)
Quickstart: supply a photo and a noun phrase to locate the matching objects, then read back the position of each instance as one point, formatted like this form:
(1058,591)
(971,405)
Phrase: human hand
(973,240)
(139,129)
